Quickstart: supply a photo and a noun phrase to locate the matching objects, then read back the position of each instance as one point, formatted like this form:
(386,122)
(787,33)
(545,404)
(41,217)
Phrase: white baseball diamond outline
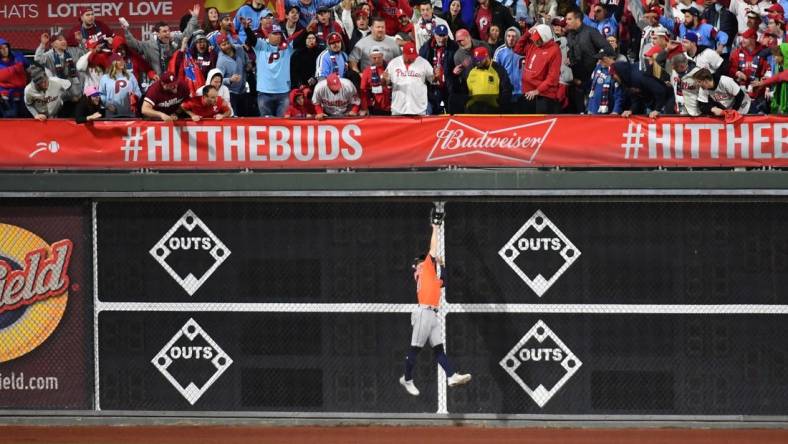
(540,394)
(539,284)
(487,153)
(190,283)
(191,392)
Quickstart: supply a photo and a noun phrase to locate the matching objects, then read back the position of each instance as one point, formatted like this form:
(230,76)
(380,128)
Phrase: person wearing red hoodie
(541,71)
(300,105)
(13,80)
(87,28)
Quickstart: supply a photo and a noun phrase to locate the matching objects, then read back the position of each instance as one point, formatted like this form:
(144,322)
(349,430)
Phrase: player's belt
(430,307)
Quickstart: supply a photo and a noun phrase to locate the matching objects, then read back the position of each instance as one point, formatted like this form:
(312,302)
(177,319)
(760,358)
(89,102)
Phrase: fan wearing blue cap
(428,23)
(439,52)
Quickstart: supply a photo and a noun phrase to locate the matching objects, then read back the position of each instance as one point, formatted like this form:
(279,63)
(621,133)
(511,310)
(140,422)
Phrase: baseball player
(424,318)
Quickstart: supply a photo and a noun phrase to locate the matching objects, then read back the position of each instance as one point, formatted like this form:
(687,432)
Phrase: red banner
(465,141)
(24,21)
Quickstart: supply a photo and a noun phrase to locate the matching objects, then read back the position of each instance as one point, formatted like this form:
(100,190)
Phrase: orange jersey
(428,286)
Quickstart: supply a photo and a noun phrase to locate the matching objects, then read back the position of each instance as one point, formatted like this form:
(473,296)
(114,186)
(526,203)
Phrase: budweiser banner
(466,141)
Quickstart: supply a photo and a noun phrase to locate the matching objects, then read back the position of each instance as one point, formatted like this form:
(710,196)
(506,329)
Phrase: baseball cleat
(410,387)
(459,379)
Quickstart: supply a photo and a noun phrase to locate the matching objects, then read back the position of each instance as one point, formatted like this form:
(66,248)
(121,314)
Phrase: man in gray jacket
(158,50)
(584,44)
(60,60)
(231,62)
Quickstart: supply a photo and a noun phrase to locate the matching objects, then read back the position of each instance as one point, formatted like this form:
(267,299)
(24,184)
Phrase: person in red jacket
(541,71)
(748,63)
(13,80)
(300,105)
(88,27)
(375,94)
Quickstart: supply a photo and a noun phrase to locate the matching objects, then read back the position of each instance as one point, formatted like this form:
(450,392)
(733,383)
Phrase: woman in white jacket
(215,78)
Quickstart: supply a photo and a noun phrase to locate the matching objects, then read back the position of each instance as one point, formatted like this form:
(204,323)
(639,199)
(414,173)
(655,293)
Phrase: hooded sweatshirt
(511,62)
(300,111)
(224,92)
(12,73)
(641,89)
(541,64)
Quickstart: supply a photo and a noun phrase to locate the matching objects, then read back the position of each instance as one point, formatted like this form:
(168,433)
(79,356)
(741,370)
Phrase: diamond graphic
(520,356)
(520,245)
(164,248)
(215,356)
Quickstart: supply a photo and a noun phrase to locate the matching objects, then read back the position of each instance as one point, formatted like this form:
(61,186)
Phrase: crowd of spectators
(329,58)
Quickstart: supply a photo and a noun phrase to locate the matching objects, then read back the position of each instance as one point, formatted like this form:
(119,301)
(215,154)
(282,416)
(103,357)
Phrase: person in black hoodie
(641,91)
(304,62)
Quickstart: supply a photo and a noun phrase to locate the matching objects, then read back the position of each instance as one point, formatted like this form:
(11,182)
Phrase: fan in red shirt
(375,94)
(207,106)
(164,97)
(389,10)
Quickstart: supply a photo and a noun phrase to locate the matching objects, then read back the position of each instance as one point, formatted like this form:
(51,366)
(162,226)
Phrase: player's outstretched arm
(434,241)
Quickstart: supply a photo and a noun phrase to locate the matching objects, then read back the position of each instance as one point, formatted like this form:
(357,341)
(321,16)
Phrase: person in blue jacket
(273,56)
(511,61)
(249,15)
(606,96)
(604,21)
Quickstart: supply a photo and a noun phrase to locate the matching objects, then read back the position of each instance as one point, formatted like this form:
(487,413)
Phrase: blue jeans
(273,104)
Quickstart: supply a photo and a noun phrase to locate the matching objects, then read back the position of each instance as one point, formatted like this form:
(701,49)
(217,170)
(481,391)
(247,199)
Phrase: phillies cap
(334,37)
(691,36)
(558,21)
(401,13)
(276,29)
(84,10)
(776,8)
(661,31)
(333,81)
(606,52)
(749,34)
(654,10)
(115,57)
(480,53)
(91,91)
(221,38)
(409,51)
(442,30)
(266,13)
(168,78)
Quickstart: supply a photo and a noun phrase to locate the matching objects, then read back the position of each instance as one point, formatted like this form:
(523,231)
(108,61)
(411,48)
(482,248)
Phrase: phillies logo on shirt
(520,143)
(120,84)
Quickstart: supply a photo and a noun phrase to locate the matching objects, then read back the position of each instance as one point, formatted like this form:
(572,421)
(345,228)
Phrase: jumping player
(424,318)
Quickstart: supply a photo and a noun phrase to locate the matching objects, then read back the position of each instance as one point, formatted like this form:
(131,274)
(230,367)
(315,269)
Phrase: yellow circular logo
(33,289)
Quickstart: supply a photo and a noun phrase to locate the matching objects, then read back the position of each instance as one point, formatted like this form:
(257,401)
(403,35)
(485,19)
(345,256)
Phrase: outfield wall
(566,305)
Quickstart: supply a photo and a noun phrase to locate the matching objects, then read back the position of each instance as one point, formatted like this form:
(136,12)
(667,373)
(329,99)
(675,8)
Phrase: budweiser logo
(42,277)
(518,143)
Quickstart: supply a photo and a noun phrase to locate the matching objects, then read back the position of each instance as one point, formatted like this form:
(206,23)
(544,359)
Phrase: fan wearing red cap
(408,75)
(333,59)
(88,27)
(748,64)
(375,94)
(335,97)
(164,97)
(487,84)
(540,81)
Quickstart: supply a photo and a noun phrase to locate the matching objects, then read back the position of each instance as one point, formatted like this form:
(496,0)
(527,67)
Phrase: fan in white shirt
(717,97)
(408,75)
